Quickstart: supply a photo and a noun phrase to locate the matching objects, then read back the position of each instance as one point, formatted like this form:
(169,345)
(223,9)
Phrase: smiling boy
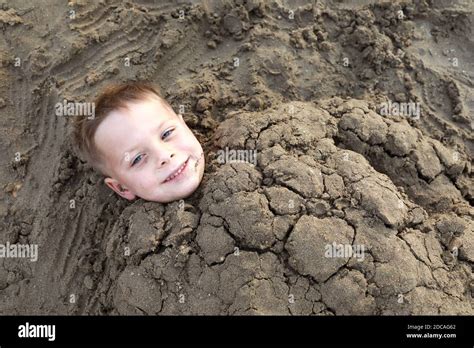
(141,146)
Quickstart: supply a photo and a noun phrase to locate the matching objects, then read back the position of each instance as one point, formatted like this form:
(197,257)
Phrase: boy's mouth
(177,173)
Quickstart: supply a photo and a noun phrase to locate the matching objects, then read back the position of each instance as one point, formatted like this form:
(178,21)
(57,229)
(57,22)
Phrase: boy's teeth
(177,173)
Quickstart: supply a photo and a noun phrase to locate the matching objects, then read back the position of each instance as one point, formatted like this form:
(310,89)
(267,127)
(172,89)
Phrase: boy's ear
(119,189)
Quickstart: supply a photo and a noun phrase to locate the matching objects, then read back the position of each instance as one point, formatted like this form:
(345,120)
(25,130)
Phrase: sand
(305,85)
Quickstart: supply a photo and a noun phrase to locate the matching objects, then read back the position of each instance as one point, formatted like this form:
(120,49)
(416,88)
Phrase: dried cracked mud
(306,95)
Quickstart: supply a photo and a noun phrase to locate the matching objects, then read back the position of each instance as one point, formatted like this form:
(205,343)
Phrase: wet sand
(305,85)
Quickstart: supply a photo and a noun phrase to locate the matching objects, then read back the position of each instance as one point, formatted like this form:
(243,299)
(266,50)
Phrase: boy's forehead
(124,126)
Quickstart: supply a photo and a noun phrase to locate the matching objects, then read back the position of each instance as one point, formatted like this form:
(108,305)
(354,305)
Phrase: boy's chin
(162,198)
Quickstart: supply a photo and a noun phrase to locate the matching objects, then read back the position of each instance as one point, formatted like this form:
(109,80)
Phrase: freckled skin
(143,145)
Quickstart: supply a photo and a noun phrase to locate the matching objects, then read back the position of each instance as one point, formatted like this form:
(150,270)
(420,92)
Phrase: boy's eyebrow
(134,148)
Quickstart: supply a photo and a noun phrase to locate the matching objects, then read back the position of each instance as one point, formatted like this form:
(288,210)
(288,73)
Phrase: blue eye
(136,160)
(168,131)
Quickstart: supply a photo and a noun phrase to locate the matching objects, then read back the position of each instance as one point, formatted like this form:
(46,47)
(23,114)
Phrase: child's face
(144,147)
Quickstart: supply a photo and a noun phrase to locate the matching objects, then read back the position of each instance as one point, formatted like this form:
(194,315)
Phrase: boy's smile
(150,152)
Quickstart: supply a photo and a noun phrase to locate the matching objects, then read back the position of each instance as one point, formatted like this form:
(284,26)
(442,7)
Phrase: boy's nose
(163,153)
(164,160)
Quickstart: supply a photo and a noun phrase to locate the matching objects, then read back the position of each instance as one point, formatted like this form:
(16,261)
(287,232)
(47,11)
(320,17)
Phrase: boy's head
(141,146)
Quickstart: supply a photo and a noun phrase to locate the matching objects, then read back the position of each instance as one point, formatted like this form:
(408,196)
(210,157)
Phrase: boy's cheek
(141,183)
(148,182)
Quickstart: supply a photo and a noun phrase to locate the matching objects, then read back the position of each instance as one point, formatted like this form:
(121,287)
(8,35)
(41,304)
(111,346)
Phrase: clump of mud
(304,87)
(257,244)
